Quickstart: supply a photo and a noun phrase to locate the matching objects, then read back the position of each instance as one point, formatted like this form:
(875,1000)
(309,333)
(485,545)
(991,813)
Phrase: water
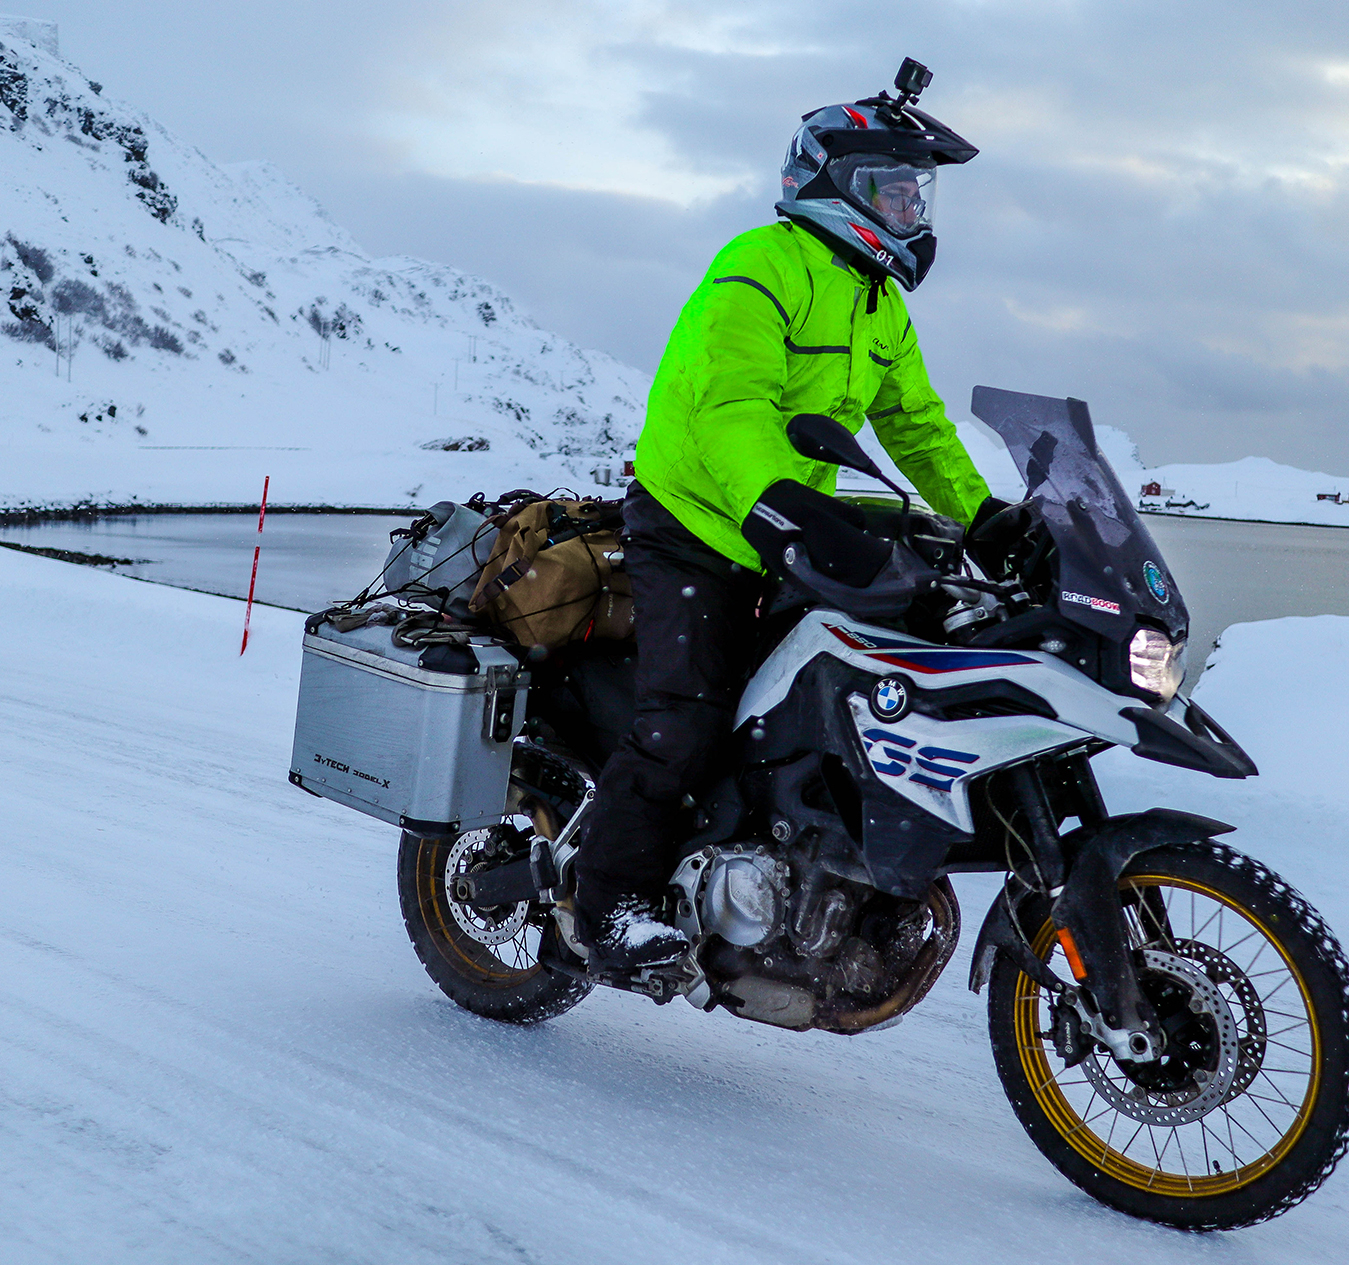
(1234,572)
(308,561)
(1229,572)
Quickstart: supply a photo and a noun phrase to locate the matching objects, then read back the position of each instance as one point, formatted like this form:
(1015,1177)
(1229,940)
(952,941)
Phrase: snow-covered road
(216,1044)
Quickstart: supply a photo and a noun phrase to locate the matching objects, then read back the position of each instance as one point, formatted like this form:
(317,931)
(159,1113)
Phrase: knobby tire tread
(1322,962)
(540,995)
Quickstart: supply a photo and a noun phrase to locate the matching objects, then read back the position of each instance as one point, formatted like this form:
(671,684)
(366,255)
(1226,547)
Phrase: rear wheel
(1247,1111)
(487,960)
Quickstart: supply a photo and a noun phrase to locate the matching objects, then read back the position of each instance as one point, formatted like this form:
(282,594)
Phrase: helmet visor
(896,192)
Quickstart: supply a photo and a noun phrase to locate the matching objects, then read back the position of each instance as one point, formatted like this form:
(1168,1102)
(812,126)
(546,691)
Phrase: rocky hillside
(173,329)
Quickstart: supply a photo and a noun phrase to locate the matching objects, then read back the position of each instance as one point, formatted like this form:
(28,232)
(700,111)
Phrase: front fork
(1106,1001)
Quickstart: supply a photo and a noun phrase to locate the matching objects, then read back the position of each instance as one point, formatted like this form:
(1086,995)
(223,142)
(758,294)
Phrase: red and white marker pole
(257,550)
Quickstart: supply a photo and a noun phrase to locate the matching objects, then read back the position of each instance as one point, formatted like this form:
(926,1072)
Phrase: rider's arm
(910,420)
(735,362)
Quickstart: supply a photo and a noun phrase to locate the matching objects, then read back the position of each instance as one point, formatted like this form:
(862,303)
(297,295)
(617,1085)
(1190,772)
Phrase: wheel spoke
(1180,1150)
(1231,947)
(1283,1014)
(1277,1131)
(1218,914)
(1209,1133)
(1283,1046)
(1106,1145)
(1157,1168)
(1301,1023)
(1240,1126)
(1280,1101)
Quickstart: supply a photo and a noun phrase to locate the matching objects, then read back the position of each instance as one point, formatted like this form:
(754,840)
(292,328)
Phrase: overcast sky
(1158,222)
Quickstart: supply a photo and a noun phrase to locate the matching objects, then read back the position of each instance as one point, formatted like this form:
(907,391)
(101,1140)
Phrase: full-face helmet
(864,177)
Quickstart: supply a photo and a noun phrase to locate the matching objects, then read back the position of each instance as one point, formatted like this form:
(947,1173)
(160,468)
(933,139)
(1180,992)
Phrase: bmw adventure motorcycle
(1169,1019)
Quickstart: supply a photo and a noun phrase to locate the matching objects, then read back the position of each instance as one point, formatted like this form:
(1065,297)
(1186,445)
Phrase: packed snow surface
(217,1044)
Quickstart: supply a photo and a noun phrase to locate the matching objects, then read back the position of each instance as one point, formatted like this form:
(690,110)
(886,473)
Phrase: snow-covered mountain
(174,329)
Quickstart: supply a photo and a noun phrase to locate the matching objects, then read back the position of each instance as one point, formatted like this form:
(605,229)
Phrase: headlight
(1156,664)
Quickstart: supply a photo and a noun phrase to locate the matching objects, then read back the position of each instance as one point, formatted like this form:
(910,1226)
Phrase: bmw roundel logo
(889,698)
(1156,582)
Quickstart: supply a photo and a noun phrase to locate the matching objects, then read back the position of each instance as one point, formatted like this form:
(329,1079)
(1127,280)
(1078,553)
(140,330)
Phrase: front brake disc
(1122,1085)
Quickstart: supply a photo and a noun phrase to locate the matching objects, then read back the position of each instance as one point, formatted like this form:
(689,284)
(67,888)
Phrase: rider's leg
(695,631)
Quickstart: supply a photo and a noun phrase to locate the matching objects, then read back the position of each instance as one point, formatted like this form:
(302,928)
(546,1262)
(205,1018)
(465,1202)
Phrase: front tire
(1248,1111)
(487,962)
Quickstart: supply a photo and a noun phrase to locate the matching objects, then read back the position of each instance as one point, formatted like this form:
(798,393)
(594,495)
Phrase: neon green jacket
(780,326)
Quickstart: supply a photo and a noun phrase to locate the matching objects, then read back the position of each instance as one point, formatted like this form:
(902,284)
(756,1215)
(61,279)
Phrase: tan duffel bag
(550,594)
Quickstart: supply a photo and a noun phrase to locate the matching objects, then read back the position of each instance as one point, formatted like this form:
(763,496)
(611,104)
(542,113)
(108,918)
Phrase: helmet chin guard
(863,176)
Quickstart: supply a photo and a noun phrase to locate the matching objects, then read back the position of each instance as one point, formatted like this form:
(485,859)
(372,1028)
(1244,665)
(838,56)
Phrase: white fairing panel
(1082,706)
(931,761)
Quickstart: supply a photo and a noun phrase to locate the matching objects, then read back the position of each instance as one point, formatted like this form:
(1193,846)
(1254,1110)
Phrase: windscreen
(1110,569)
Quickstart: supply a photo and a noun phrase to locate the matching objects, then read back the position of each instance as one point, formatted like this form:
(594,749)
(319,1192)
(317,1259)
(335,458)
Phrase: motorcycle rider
(799,316)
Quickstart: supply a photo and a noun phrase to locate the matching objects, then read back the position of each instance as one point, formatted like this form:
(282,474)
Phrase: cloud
(559,96)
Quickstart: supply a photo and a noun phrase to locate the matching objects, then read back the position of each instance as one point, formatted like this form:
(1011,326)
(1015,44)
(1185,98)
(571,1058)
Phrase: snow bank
(1281,689)
(216,1044)
(1255,488)
(1284,684)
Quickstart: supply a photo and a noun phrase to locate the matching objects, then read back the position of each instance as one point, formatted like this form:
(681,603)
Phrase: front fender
(1089,908)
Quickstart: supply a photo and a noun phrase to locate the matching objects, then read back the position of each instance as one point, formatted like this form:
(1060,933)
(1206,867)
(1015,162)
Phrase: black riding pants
(695,637)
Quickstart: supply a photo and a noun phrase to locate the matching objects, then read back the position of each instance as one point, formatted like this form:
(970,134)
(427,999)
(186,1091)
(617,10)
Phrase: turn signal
(1070,952)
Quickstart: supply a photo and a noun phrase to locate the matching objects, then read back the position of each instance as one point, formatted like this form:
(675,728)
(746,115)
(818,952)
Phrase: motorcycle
(1169,1019)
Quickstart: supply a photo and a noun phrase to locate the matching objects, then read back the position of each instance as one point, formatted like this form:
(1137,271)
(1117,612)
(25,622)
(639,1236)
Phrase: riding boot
(629,935)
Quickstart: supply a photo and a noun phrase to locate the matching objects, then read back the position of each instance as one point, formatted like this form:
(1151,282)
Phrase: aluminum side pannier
(418,736)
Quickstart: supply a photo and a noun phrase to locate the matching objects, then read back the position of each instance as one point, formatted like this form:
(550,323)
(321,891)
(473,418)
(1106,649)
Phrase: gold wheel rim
(1099,1152)
(449,939)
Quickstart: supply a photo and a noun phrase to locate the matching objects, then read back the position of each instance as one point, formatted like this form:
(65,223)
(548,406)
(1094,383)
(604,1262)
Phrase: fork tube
(1091,807)
(1044,831)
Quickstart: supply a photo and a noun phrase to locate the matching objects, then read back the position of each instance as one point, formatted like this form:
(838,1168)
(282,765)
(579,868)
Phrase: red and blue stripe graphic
(926,660)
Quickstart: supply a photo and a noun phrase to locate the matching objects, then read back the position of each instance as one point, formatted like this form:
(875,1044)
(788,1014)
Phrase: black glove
(831,531)
(998,528)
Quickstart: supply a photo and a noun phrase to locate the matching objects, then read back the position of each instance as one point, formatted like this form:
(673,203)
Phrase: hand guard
(831,531)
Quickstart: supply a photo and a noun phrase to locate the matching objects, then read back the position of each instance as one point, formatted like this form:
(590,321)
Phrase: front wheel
(1247,1111)
(486,960)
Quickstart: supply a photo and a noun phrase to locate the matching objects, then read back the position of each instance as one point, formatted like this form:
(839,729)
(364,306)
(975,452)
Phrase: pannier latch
(498,717)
